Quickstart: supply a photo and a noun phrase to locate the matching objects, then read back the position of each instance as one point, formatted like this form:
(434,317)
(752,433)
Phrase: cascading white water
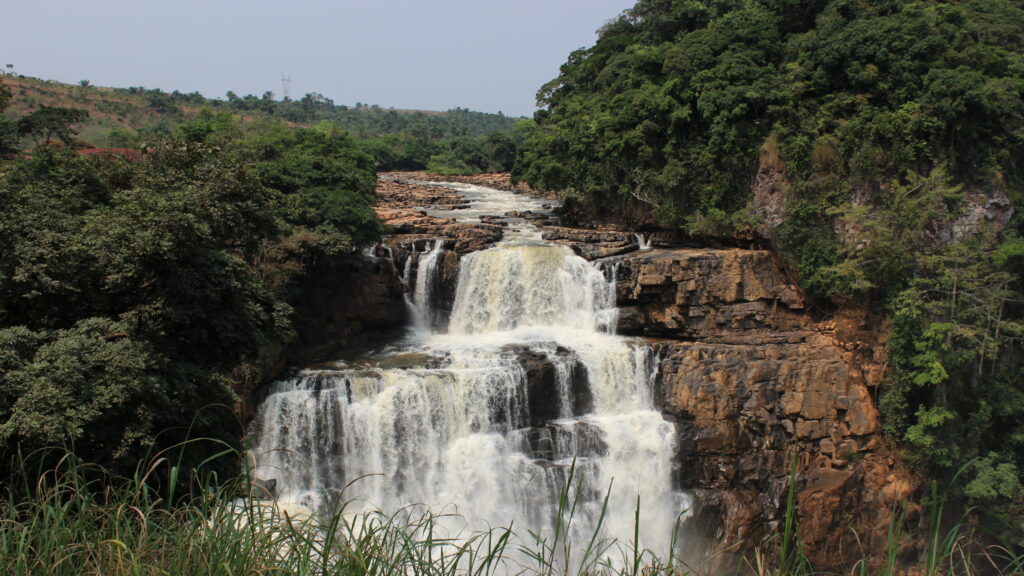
(511,286)
(643,242)
(425,272)
(486,420)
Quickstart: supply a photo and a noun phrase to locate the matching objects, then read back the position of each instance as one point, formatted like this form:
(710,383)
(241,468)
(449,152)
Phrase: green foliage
(49,122)
(83,386)
(208,126)
(8,127)
(493,153)
(955,393)
(671,106)
(326,183)
(993,480)
(129,297)
(875,123)
(132,292)
(5,97)
(886,232)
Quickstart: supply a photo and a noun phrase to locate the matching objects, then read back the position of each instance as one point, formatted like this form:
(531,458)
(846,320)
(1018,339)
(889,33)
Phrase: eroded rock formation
(757,386)
(346,302)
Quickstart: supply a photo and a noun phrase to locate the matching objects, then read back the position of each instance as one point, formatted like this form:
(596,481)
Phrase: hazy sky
(486,55)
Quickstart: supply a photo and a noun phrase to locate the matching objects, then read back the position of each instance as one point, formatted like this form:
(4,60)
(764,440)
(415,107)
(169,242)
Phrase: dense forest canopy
(676,99)
(140,295)
(878,124)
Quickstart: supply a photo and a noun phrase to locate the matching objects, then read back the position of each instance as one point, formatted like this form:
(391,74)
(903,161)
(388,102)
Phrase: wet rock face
(346,301)
(554,441)
(544,398)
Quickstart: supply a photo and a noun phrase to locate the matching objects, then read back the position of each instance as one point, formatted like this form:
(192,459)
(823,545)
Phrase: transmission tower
(286,84)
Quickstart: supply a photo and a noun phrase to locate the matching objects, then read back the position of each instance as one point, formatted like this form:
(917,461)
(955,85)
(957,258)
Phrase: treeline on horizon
(873,121)
(457,141)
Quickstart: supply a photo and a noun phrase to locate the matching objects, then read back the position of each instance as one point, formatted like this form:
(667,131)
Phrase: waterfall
(486,420)
(643,241)
(506,287)
(426,270)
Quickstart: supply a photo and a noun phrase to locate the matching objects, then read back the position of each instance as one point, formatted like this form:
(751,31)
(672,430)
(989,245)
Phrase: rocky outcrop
(733,294)
(345,303)
(403,208)
(596,243)
(982,209)
(411,226)
(756,385)
(747,413)
(989,208)
(394,193)
(771,191)
(496,180)
(593,244)
(544,403)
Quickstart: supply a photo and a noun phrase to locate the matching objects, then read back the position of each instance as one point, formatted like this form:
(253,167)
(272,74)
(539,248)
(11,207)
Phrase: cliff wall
(757,385)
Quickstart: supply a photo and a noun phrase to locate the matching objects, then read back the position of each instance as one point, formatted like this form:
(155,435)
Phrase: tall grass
(74,519)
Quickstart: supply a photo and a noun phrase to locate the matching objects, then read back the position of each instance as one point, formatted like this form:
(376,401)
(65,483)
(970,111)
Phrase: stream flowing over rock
(694,379)
(487,418)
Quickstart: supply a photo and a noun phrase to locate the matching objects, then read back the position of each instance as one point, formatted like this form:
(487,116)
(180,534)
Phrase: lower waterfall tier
(490,433)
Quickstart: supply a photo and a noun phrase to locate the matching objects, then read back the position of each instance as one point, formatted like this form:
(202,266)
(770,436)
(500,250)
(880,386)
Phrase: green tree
(129,294)
(51,122)
(8,127)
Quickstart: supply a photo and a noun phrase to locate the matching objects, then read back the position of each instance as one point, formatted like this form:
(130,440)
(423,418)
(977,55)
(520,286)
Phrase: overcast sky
(486,55)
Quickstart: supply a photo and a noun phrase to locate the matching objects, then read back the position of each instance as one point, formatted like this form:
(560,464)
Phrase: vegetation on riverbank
(141,294)
(876,125)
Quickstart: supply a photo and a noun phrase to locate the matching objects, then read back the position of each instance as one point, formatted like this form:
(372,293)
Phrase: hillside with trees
(857,138)
(141,295)
(458,141)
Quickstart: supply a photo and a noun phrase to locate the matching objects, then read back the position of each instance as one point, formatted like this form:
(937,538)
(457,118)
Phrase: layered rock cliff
(758,388)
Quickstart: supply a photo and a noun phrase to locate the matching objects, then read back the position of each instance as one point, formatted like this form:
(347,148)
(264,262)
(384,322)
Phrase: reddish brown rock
(593,244)
(496,180)
(402,209)
(708,294)
(753,381)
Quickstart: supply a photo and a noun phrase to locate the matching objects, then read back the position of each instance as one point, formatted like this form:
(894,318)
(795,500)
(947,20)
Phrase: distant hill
(127,116)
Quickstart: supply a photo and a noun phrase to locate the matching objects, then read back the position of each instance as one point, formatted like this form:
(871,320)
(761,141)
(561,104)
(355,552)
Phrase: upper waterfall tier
(509,287)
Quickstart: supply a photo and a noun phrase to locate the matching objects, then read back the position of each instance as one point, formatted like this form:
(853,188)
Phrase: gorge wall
(755,383)
(757,386)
